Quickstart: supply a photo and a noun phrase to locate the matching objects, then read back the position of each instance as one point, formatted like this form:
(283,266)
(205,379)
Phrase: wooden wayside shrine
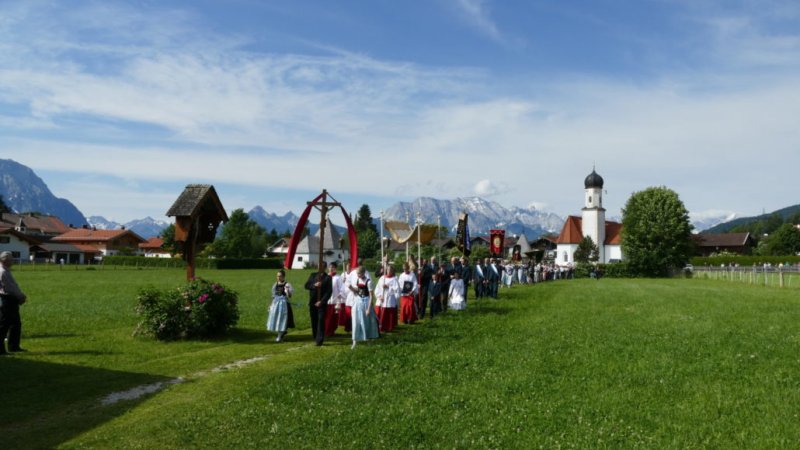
(198,213)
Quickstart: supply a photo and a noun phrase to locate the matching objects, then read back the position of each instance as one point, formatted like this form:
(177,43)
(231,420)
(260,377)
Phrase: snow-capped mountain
(484,215)
(708,219)
(146,228)
(101,223)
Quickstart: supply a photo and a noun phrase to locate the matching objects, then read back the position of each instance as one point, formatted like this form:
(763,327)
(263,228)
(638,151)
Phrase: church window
(590,199)
(566,257)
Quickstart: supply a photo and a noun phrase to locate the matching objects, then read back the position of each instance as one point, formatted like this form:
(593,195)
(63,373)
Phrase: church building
(592,222)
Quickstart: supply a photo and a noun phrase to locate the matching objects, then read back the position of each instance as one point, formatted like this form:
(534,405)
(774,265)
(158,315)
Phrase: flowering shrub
(200,309)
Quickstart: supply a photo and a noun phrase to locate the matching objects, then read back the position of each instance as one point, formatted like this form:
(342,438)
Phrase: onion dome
(593,180)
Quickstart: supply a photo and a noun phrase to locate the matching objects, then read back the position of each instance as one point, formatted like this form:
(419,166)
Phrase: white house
(592,223)
(17,243)
(334,250)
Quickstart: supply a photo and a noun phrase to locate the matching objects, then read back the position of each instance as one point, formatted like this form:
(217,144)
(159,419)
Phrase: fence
(776,276)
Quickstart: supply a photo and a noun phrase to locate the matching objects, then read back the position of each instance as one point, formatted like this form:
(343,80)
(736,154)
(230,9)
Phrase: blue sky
(118,105)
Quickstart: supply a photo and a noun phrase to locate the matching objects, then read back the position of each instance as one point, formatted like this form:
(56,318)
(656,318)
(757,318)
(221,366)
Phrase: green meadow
(569,364)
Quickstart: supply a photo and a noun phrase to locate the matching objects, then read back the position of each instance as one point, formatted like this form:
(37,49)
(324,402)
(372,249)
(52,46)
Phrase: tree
(3,207)
(784,241)
(168,235)
(656,232)
(368,243)
(587,251)
(364,220)
(241,237)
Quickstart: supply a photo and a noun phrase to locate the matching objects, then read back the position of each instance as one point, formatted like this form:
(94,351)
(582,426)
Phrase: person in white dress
(456,293)
(365,323)
(387,295)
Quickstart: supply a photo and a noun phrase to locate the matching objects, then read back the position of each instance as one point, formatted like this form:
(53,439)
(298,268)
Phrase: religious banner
(462,234)
(496,241)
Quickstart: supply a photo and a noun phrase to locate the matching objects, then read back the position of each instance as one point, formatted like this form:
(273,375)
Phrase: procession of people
(365,309)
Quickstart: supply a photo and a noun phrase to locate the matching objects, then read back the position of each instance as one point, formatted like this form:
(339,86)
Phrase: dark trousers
(436,305)
(10,324)
(478,289)
(317,322)
(422,301)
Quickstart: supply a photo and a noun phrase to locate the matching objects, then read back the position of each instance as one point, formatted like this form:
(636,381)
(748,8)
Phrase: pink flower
(202,298)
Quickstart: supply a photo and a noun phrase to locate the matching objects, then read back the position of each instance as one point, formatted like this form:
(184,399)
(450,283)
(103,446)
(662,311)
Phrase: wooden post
(324,204)
(780,275)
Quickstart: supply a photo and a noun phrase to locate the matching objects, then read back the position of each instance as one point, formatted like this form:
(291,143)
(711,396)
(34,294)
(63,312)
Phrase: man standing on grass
(320,289)
(10,298)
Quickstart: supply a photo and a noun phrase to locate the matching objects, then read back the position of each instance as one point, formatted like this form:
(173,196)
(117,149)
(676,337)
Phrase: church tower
(593,213)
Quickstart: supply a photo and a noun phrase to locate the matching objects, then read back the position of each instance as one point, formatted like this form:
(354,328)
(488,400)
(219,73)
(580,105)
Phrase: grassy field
(608,364)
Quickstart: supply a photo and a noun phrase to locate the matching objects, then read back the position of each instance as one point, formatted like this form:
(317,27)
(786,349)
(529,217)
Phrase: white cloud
(356,124)
(487,188)
(477,14)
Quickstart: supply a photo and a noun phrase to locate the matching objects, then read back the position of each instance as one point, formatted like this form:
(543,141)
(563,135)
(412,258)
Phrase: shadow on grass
(53,335)
(46,404)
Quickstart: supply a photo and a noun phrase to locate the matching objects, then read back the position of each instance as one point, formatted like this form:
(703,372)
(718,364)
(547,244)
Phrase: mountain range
(484,215)
(146,228)
(726,226)
(24,191)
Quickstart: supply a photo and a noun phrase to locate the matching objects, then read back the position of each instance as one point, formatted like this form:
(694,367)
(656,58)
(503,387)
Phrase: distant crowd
(426,288)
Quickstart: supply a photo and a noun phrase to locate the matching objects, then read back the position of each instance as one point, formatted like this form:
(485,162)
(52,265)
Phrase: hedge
(202,263)
(743,260)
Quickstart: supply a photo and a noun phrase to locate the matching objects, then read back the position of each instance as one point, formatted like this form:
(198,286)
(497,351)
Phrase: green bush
(203,263)
(199,309)
(616,270)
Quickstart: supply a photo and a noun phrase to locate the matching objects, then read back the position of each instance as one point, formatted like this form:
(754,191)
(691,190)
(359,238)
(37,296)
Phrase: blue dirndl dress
(280,316)
(365,322)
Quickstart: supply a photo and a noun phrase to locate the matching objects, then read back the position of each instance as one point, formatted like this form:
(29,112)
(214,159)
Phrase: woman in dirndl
(365,323)
(280,316)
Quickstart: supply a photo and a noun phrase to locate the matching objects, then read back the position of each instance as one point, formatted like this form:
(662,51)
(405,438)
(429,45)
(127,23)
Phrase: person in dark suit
(10,298)
(425,275)
(320,290)
(466,275)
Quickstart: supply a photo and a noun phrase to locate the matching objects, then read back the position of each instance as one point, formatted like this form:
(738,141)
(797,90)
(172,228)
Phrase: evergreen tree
(364,220)
(656,232)
(241,237)
(587,251)
(168,235)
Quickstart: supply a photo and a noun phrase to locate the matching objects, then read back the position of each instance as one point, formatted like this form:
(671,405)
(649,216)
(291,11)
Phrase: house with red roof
(154,248)
(107,242)
(607,235)
(19,244)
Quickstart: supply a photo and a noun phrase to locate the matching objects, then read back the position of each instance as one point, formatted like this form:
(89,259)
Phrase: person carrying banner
(408,290)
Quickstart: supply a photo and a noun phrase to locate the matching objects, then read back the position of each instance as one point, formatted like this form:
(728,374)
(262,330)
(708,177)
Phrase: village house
(707,244)
(39,226)
(334,250)
(108,242)
(17,243)
(154,248)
